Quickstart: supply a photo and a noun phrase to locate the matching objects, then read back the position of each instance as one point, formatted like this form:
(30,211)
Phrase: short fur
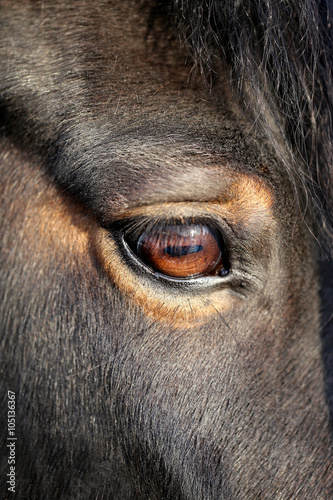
(129,385)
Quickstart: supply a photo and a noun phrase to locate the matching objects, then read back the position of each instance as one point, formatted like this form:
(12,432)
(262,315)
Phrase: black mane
(280,59)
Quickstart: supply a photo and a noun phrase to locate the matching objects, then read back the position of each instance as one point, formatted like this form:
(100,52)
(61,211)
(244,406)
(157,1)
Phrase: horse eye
(182,251)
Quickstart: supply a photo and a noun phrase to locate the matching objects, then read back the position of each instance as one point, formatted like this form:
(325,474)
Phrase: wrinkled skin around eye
(181,251)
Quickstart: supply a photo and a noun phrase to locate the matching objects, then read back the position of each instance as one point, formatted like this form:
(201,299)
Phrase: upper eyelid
(244,197)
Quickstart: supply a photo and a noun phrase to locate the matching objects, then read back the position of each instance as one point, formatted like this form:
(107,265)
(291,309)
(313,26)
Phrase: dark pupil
(179,251)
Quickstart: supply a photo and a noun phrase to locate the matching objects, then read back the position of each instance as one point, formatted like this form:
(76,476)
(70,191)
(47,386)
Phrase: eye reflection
(182,250)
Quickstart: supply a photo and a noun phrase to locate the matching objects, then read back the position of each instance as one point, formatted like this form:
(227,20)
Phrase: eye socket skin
(245,227)
(181,250)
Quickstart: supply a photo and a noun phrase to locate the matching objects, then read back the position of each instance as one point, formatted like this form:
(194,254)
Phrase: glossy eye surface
(182,250)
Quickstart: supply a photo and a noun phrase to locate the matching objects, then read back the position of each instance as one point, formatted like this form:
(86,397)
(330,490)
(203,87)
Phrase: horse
(137,137)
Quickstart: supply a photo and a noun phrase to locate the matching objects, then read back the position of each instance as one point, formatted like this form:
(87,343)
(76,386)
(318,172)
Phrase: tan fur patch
(52,227)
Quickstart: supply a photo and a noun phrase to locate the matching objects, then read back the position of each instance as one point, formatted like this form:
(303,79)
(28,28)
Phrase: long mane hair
(279,54)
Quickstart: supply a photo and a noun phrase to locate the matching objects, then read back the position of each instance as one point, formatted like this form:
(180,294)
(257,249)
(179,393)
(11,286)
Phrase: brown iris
(181,251)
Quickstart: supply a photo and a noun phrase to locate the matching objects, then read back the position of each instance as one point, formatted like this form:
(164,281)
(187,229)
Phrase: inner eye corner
(181,249)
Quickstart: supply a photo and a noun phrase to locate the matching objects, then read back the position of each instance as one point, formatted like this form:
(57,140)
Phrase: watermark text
(11,441)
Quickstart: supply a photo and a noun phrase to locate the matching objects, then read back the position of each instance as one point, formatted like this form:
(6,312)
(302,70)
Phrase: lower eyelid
(174,301)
